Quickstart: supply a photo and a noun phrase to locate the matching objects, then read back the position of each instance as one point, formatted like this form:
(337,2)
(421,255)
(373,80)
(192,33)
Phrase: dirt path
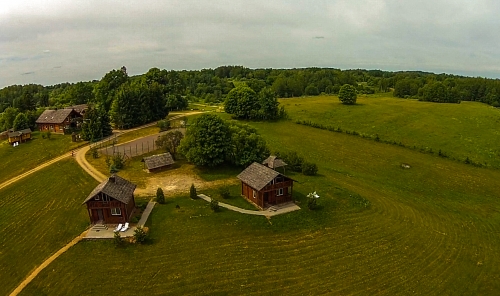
(86,166)
(46,263)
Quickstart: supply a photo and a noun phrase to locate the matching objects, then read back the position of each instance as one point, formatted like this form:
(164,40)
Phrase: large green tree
(8,117)
(105,90)
(242,102)
(170,141)
(247,146)
(95,124)
(207,141)
(268,104)
(21,122)
(347,94)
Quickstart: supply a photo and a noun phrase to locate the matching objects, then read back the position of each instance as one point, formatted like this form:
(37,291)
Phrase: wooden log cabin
(59,119)
(111,202)
(264,186)
(19,136)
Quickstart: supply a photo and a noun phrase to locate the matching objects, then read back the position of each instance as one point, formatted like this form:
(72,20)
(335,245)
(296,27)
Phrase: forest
(130,101)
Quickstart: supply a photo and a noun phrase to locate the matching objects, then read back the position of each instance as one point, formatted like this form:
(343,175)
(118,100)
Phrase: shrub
(117,239)
(311,203)
(293,160)
(141,234)
(214,205)
(163,125)
(118,160)
(224,192)
(95,153)
(160,197)
(113,169)
(192,192)
(309,169)
(134,220)
(44,136)
(48,134)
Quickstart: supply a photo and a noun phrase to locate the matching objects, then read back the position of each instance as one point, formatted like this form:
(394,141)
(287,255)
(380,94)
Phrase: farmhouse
(19,136)
(111,202)
(264,186)
(157,162)
(59,119)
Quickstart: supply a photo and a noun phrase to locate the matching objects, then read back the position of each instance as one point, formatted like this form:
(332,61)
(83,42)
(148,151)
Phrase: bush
(113,169)
(48,134)
(192,192)
(160,197)
(293,160)
(95,153)
(117,239)
(224,192)
(141,234)
(163,125)
(134,220)
(214,205)
(309,169)
(118,160)
(311,203)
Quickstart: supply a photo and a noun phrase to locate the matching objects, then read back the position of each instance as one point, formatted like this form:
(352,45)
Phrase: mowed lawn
(469,129)
(430,230)
(38,215)
(26,156)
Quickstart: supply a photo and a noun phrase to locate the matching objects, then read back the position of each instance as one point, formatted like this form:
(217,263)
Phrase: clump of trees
(211,141)
(95,124)
(170,141)
(244,103)
(297,163)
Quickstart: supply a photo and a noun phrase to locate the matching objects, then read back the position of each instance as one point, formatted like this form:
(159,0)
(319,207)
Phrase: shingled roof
(257,176)
(115,187)
(54,116)
(18,133)
(274,162)
(78,108)
(158,161)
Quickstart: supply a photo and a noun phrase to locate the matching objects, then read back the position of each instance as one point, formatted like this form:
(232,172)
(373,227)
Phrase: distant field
(39,215)
(469,129)
(430,230)
(17,160)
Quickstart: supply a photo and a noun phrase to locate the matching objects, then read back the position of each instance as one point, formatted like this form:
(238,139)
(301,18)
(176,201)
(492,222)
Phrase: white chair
(118,227)
(125,227)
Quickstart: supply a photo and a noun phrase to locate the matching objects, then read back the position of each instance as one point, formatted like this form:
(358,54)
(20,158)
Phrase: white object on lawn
(118,227)
(125,227)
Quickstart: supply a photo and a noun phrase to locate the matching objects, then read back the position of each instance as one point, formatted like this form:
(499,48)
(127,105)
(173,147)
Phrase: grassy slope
(431,229)
(460,130)
(17,160)
(39,215)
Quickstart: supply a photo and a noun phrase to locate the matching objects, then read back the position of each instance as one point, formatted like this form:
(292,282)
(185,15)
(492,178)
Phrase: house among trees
(111,202)
(158,162)
(19,136)
(274,162)
(59,119)
(264,186)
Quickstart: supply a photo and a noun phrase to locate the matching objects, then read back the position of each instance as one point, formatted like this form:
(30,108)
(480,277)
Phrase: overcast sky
(54,41)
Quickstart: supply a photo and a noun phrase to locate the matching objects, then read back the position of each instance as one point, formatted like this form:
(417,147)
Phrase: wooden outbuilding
(264,186)
(274,162)
(111,202)
(19,136)
(59,119)
(157,162)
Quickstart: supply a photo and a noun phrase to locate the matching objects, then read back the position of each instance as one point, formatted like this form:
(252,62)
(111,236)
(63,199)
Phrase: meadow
(379,229)
(17,160)
(469,129)
(38,215)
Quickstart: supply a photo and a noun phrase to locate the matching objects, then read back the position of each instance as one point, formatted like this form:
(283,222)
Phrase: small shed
(158,161)
(274,162)
(264,186)
(20,136)
(112,201)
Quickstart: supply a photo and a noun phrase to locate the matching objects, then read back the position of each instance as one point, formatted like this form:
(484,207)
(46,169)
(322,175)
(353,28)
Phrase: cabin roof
(115,187)
(78,108)
(274,162)
(257,175)
(158,160)
(18,133)
(54,116)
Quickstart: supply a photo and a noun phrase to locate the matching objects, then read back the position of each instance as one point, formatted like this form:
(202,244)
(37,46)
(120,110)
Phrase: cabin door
(266,197)
(100,214)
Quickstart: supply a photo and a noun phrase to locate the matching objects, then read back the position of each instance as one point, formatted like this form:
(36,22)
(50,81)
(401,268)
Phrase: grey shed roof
(78,108)
(115,187)
(274,162)
(54,116)
(257,175)
(18,133)
(158,161)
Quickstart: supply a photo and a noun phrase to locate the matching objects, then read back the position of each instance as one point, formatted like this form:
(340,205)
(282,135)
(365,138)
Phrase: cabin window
(272,182)
(116,211)
(97,197)
(51,127)
(254,194)
(279,192)
(105,197)
(279,179)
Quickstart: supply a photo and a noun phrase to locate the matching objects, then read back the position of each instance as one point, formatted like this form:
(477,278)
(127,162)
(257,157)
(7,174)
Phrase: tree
(95,124)
(105,90)
(160,197)
(170,141)
(242,102)
(192,192)
(347,94)
(214,205)
(207,141)
(268,104)
(141,234)
(246,145)
(21,122)
(8,117)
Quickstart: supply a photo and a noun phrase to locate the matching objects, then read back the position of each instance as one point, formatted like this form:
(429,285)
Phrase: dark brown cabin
(19,136)
(264,186)
(157,162)
(111,202)
(57,120)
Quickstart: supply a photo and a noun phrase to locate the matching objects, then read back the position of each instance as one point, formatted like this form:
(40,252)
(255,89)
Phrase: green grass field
(469,129)
(430,230)
(17,160)
(39,215)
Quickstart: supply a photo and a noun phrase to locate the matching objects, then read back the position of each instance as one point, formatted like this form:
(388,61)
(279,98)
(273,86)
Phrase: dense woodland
(132,101)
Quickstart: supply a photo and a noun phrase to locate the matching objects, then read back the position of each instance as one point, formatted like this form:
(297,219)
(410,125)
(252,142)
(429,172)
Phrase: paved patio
(101,232)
